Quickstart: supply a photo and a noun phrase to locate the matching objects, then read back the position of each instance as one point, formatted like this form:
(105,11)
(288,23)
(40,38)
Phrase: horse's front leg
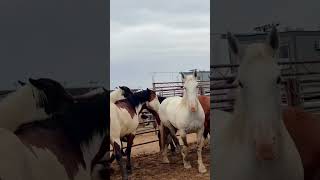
(130,139)
(200,142)
(174,137)
(118,155)
(184,151)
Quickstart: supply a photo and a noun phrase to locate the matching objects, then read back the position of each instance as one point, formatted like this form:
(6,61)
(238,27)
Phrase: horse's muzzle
(193,109)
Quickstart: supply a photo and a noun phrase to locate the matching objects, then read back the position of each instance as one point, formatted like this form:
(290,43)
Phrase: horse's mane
(86,118)
(81,120)
(161,98)
(137,98)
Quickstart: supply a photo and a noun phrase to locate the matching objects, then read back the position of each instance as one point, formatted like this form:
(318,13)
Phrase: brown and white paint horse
(124,122)
(69,145)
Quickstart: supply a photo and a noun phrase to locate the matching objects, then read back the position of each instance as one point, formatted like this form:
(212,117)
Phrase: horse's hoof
(187,165)
(165,160)
(202,169)
(177,150)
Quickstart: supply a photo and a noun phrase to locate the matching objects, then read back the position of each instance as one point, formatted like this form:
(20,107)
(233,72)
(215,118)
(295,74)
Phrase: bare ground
(147,162)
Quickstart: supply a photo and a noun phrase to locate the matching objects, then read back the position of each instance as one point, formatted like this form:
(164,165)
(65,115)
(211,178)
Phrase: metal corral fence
(168,89)
(301,85)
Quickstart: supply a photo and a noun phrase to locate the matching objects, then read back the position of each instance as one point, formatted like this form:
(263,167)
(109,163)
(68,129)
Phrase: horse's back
(169,106)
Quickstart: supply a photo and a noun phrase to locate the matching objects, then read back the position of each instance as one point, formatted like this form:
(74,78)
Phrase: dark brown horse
(304,129)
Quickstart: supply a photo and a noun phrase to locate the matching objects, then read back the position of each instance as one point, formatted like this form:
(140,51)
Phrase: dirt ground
(147,165)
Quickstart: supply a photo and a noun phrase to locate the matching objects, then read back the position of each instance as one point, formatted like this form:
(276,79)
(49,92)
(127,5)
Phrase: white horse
(32,102)
(187,116)
(124,120)
(253,143)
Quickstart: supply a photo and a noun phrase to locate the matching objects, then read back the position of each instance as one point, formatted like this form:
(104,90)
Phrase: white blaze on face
(190,91)
(261,96)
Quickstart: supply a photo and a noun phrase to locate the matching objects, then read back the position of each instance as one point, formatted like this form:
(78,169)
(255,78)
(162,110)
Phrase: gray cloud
(61,39)
(157,36)
(242,16)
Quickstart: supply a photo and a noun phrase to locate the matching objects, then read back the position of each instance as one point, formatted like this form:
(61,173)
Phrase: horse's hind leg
(118,154)
(184,151)
(200,142)
(130,138)
(172,145)
(165,148)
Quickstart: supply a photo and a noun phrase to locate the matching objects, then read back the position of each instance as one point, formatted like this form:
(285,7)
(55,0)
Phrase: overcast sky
(157,36)
(60,39)
(242,16)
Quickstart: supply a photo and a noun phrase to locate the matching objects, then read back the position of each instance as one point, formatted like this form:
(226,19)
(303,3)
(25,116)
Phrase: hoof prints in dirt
(150,167)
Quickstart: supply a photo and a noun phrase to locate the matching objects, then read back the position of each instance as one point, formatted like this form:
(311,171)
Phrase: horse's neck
(91,148)
(17,108)
(184,103)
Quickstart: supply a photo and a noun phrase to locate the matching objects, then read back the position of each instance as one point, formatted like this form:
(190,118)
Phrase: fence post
(292,91)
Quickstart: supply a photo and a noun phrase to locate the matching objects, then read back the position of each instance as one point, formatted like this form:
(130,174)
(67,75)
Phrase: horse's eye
(279,80)
(241,84)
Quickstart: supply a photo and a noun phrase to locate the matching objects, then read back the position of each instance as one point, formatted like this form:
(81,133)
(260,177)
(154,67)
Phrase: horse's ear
(195,73)
(33,82)
(36,83)
(182,75)
(21,83)
(233,44)
(273,39)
